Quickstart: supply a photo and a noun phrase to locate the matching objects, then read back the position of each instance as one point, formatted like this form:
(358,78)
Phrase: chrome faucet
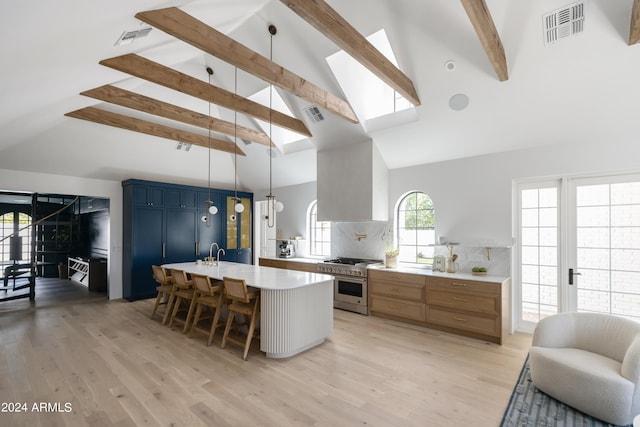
(211,251)
(218,255)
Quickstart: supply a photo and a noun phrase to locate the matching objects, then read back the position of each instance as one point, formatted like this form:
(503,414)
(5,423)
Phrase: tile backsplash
(368,240)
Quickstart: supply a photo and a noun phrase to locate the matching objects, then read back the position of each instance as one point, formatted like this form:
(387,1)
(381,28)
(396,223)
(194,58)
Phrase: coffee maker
(286,249)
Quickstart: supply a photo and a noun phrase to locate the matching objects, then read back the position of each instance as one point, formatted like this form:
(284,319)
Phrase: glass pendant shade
(213,209)
(279,206)
(239,207)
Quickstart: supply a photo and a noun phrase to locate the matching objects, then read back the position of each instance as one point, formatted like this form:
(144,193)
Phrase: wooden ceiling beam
(634,32)
(125,98)
(96,115)
(329,22)
(156,73)
(183,26)
(485,28)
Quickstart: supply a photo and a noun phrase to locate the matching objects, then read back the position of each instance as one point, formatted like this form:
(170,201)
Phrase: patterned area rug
(529,407)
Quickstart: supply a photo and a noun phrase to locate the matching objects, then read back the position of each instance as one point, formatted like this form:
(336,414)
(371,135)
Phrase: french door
(578,248)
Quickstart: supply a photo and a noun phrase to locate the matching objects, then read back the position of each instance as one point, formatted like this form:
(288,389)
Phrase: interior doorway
(40,236)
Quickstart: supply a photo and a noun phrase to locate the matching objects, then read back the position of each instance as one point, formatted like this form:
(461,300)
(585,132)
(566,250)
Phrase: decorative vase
(391,261)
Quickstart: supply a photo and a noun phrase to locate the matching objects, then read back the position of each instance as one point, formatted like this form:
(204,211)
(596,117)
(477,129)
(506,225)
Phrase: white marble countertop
(431,273)
(256,276)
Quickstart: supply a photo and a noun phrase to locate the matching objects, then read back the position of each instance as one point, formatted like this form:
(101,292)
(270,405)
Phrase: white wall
(44,183)
(472,196)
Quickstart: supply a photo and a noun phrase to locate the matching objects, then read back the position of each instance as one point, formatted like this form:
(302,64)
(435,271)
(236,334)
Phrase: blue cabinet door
(147,248)
(180,235)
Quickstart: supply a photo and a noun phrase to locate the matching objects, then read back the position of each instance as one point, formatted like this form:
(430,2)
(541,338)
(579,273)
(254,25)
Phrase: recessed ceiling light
(459,102)
(450,65)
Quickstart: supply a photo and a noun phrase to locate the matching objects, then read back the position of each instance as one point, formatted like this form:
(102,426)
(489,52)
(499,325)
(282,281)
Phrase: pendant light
(213,209)
(239,207)
(273,205)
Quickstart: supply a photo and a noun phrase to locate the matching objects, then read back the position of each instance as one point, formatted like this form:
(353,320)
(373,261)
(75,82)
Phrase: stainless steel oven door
(350,293)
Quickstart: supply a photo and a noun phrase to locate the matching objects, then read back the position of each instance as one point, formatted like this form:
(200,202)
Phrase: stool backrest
(204,285)
(236,289)
(160,275)
(180,279)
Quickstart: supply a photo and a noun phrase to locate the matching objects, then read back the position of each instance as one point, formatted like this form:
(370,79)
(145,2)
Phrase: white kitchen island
(296,308)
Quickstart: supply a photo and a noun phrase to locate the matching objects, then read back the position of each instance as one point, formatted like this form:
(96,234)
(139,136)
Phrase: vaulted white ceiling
(583,88)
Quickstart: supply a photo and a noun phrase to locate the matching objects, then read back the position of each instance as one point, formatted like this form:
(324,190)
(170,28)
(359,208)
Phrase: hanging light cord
(209,154)
(270,121)
(235,138)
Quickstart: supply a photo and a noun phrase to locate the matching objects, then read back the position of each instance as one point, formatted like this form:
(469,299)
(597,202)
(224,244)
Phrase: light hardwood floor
(115,366)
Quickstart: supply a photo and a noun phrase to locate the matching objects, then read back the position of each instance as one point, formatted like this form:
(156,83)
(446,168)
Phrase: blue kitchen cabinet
(163,223)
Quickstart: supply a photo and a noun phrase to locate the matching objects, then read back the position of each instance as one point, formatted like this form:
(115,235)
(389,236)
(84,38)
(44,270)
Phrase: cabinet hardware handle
(459,299)
(197,248)
(459,319)
(162,249)
(459,284)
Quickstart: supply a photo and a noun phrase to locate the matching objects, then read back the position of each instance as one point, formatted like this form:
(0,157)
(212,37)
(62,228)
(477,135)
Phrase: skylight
(284,139)
(369,96)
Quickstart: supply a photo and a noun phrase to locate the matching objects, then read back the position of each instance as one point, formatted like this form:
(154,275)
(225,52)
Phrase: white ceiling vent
(129,37)
(314,114)
(563,23)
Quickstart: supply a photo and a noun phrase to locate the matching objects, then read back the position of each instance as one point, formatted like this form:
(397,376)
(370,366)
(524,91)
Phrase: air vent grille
(129,37)
(314,114)
(563,23)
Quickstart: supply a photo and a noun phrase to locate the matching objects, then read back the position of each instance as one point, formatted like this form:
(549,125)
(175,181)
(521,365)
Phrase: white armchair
(591,362)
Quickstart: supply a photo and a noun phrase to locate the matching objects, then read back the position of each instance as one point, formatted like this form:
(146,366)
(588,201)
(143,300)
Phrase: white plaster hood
(353,184)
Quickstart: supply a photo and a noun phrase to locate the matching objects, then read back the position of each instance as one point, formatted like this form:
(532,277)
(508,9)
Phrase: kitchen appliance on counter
(350,291)
(286,249)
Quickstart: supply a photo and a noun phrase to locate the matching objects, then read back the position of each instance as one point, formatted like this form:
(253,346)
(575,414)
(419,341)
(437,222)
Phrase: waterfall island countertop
(296,308)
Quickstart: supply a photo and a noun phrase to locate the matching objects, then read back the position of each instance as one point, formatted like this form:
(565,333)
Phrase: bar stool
(164,288)
(210,295)
(183,292)
(240,300)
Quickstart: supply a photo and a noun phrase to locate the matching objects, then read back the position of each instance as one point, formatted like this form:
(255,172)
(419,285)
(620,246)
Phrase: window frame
(397,233)
(313,225)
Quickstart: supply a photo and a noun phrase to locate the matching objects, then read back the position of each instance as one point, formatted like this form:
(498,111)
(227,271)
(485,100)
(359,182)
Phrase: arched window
(319,233)
(415,221)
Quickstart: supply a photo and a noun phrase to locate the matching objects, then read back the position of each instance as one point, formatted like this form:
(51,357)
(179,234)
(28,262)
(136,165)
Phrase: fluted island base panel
(296,308)
(294,320)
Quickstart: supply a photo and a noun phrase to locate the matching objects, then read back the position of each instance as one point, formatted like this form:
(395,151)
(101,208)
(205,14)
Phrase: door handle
(571,274)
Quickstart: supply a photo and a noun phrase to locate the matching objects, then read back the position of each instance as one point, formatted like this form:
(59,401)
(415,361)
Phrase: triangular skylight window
(369,96)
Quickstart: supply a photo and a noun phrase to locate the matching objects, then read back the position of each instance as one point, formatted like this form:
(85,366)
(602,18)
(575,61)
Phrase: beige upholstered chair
(208,295)
(244,301)
(591,362)
(183,296)
(164,288)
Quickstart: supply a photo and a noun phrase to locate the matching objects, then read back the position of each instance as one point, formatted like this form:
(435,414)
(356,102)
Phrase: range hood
(353,184)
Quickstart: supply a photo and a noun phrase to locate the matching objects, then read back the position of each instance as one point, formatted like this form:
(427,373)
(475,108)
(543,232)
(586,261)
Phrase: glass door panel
(605,246)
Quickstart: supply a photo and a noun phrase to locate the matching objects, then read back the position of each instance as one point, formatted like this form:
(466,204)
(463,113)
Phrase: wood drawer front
(405,309)
(395,277)
(467,322)
(405,291)
(464,301)
(463,285)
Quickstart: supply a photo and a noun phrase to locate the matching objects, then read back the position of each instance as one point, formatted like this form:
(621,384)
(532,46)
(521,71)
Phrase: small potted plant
(391,258)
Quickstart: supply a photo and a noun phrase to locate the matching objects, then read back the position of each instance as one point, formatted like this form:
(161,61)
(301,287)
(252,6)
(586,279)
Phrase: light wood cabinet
(469,307)
(288,264)
(397,295)
(472,308)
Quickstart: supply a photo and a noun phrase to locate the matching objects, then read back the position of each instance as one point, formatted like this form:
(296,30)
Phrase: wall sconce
(359,237)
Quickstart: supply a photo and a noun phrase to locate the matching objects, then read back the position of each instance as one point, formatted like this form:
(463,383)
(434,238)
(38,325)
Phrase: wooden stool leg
(155,307)
(189,313)
(168,310)
(227,329)
(214,324)
(196,318)
(176,307)
(252,327)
